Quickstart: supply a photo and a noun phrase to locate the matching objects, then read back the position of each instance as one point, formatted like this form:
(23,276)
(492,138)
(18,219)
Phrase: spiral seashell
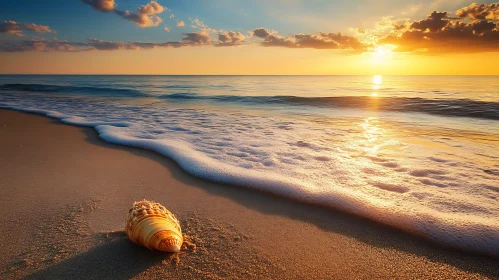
(151,225)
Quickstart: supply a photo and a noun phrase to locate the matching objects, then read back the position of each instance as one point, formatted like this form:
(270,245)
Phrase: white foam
(362,166)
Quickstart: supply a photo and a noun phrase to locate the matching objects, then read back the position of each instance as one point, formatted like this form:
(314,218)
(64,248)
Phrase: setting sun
(382,53)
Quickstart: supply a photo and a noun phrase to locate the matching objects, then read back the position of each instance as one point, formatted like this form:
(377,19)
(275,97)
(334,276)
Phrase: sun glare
(377,79)
(381,53)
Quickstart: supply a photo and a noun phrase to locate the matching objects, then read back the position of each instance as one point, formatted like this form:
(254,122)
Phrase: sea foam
(416,180)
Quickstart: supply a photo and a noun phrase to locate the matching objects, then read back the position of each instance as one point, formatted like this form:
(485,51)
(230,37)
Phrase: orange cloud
(481,12)
(320,40)
(438,33)
(230,38)
(197,38)
(101,5)
(145,16)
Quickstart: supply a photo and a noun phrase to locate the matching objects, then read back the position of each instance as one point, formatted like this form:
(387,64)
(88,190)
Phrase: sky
(260,37)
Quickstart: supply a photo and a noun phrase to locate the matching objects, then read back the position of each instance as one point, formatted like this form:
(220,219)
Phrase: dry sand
(65,193)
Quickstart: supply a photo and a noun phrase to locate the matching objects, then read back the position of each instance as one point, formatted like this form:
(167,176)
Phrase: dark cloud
(397,26)
(230,38)
(43,45)
(481,27)
(480,12)
(107,45)
(101,5)
(197,38)
(17,28)
(438,33)
(112,46)
(145,15)
(320,40)
(261,32)
(434,22)
(11,27)
(90,45)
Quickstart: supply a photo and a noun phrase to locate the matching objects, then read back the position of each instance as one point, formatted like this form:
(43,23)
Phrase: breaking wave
(444,107)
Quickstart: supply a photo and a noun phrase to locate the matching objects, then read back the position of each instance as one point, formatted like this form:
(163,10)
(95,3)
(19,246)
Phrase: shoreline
(85,185)
(438,231)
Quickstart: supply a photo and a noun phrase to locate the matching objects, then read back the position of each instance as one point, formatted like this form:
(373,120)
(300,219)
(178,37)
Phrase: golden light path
(377,81)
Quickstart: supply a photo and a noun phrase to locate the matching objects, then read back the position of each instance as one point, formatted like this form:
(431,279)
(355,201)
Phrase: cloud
(11,27)
(43,45)
(91,45)
(320,40)
(439,33)
(261,32)
(200,38)
(145,15)
(150,9)
(142,20)
(107,45)
(480,12)
(197,38)
(361,31)
(172,16)
(197,23)
(111,46)
(16,28)
(472,29)
(101,5)
(435,21)
(230,38)
(37,28)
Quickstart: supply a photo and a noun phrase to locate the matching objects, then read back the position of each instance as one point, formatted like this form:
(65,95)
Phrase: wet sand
(65,194)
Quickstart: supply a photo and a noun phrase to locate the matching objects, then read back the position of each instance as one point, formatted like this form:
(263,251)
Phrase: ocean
(418,153)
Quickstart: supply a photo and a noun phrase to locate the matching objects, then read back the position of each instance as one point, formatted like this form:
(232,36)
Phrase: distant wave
(446,107)
(95,91)
(180,86)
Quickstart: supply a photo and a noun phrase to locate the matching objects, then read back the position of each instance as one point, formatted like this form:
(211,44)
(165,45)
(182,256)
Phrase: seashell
(151,225)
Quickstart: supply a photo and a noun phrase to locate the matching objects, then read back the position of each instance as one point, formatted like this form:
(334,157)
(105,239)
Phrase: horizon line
(270,75)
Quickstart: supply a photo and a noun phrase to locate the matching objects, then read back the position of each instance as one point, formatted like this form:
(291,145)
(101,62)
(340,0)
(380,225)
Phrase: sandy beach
(65,194)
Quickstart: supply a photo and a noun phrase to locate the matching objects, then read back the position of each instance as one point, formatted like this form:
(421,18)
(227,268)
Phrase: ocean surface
(418,153)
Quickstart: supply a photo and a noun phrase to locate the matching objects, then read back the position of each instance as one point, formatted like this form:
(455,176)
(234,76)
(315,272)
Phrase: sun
(382,52)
